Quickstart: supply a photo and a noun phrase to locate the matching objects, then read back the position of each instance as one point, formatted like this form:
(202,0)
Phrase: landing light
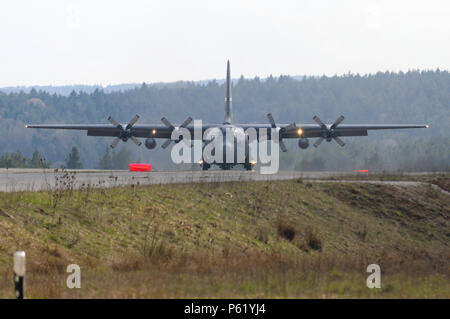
(299,131)
(200,162)
(253,162)
(427,126)
(154,132)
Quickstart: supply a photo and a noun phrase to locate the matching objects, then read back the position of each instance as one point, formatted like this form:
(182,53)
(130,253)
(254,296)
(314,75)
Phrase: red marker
(361,170)
(140,167)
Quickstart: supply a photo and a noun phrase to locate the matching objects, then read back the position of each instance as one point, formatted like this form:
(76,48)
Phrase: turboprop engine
(303,143)
(150,143)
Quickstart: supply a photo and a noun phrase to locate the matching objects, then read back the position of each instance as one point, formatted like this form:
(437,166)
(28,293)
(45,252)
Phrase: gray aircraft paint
(228,99)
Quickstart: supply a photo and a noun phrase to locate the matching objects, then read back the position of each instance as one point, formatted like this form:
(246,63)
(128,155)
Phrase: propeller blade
(186,122)
(113,121)
(337,122)
(317,143)
(133,121)
(166,143)
(135,140)
(114,142)
(318,121)
(282,146)
(339,141)
(167,123)
(271,120)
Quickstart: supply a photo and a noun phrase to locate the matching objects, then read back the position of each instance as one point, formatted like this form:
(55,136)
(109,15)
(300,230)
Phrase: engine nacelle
(150,143)
(303,143)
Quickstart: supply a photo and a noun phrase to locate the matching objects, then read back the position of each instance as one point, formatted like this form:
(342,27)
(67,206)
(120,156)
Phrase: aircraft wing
(140,131)
(161,131)
(312,130)
(327,132)
(320,130)
(143,130)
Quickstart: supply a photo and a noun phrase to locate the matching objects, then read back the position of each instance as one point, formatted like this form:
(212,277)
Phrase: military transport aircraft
(302,132)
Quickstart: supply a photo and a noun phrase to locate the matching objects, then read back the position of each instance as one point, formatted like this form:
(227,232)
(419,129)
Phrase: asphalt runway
(14,180)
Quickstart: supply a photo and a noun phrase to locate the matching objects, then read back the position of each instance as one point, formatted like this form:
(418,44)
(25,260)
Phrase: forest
(411,97)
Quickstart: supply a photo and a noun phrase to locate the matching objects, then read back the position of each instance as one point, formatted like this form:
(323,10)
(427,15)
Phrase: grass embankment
(256,239)
(441,179)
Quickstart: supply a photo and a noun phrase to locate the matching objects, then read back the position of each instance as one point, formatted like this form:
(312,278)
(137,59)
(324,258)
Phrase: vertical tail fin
(228,107)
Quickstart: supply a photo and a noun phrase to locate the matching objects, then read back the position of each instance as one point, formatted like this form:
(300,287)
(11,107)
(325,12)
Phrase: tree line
(384,97)
(110,160)
(17,160)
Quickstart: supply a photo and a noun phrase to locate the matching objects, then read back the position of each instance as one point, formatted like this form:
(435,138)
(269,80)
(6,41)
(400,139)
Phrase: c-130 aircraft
(302,132)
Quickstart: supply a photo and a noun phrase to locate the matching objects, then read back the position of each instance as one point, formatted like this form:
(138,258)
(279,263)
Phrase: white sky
(56,42)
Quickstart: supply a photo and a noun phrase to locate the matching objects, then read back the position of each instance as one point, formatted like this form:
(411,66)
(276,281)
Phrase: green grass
(228,240)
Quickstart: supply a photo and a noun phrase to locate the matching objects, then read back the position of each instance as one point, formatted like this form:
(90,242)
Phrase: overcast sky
(56,42)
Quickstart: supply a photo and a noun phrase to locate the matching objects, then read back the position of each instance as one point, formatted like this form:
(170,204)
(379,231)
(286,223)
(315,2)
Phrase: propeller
(281,130)
(124,131)
(171,127)
(329,133)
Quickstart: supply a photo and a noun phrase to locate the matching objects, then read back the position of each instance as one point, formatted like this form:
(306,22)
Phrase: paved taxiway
(13,180)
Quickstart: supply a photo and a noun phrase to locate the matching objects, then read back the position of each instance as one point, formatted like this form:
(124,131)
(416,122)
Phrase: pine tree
(106,161)
(73,161)
(37,161)
(121,159)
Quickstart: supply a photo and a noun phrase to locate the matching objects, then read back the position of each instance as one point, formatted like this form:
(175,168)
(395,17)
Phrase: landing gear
(248,165)
(205,166)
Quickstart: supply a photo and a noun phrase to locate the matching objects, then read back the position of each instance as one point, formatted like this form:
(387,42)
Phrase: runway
(15,180)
